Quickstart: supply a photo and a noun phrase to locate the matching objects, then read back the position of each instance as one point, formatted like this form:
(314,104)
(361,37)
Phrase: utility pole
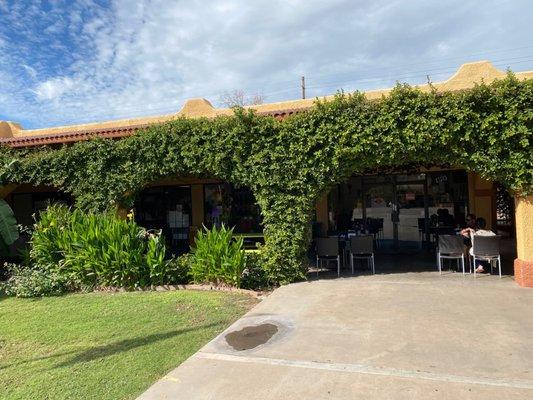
(303,87)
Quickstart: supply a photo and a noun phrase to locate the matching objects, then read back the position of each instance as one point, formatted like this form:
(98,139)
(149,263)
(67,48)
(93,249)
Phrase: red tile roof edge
(117,132)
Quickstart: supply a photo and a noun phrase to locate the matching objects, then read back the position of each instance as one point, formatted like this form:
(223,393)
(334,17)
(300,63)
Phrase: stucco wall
(481,198)
(524,228)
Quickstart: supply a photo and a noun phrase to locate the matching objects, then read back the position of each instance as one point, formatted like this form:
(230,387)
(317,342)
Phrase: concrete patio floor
(387,336)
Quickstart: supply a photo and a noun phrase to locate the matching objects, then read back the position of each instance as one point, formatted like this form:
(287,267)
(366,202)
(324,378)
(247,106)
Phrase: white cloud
(30,71)
(146,57)
(54,88)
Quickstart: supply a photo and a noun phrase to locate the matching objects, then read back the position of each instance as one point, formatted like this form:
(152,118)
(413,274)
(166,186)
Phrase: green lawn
(105,346)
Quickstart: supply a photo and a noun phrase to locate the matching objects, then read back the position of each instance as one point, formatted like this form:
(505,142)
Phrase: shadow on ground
(99,352)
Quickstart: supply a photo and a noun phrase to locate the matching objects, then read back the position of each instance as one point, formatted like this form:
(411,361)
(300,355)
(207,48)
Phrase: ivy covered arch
(289,164)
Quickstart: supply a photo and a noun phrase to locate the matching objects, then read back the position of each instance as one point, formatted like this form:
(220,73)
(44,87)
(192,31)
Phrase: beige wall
(197,201)
(481,199)
(524,227)
(7,190)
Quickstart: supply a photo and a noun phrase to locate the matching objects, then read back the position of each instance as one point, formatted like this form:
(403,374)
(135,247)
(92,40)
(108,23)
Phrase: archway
(406,209)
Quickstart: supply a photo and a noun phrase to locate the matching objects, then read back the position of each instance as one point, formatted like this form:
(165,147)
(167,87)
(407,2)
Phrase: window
(232,206)
(167,208)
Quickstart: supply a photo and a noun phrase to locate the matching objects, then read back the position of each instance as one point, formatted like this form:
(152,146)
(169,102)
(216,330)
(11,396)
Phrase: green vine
(288,164)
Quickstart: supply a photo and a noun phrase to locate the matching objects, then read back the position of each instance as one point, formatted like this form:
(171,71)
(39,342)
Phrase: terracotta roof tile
(69,137)
(118,132)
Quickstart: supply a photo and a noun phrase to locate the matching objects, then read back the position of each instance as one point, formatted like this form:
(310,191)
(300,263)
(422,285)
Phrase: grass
(102,345)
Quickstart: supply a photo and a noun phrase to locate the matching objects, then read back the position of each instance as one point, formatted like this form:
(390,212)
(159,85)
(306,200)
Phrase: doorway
(167,208)
(408,209)
(399,201)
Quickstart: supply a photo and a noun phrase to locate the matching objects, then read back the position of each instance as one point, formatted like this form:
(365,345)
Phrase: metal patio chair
(486,248)
(450,247)
(375,228)
(362,247)
(328,249)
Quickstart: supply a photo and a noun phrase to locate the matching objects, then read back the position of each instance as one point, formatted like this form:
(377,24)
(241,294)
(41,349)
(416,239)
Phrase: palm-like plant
(218,257)
(9,232)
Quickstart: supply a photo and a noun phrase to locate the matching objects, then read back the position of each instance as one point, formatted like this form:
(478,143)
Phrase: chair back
(451,244)
(362,244)
(327,247)
(486,245)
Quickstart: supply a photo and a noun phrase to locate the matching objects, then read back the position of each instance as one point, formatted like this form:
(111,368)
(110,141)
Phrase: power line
(410,65)
(414,74)
(153,109)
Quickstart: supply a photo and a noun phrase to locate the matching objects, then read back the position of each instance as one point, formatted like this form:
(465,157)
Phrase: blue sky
(77,61)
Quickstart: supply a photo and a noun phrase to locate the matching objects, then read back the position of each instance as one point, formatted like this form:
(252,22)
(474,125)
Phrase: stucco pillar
(197,203)
(481,198)
(523,265)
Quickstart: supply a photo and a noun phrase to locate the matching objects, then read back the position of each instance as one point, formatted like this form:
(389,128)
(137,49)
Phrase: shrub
(29,282)
(97,249)
(254,275)
(177,270)
(155,258)
(9,231)
(217,257)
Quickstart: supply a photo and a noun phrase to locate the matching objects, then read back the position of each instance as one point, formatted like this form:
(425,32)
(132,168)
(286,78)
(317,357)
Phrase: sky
(76,61)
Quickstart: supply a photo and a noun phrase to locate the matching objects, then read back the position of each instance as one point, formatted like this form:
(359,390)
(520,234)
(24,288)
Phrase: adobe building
(409,204)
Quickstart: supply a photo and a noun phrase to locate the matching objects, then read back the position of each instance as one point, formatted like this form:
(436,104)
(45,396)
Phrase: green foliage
(155,259)
(217,257)
(97,249)
(178,270)
(9,232)
(29,282)
(254,276)
(288,164)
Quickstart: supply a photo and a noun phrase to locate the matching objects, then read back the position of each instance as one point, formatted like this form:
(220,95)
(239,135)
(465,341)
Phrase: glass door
(408,210)
(411,224)
(398,203)
(380,209)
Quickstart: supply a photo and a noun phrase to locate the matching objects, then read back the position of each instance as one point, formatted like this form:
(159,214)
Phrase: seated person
(471,224)
(471,221)
(445,218)
(480,230)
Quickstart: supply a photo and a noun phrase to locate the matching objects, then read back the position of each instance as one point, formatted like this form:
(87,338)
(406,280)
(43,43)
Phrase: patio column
(523,265)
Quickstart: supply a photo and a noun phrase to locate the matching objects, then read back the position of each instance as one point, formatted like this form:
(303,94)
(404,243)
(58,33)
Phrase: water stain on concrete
(250,337)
